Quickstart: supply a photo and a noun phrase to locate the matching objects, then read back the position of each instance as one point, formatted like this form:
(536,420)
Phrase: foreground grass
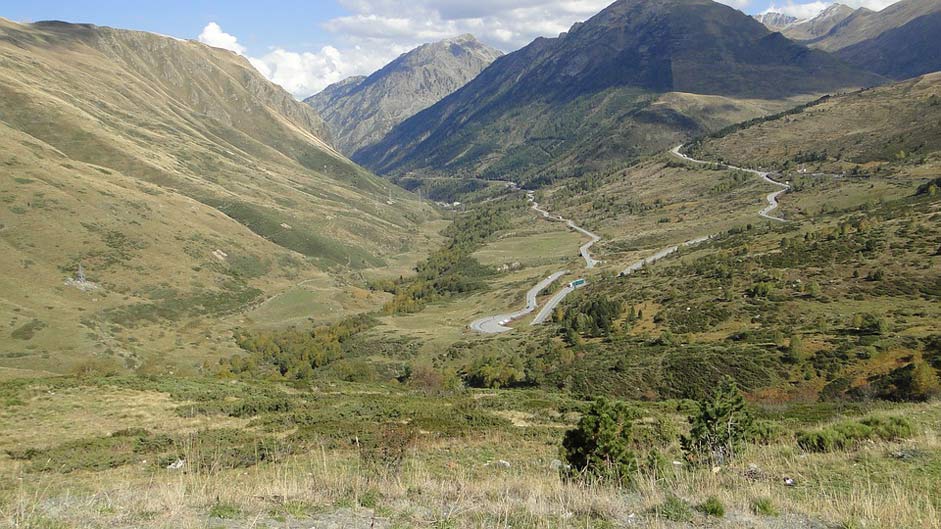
(490,465)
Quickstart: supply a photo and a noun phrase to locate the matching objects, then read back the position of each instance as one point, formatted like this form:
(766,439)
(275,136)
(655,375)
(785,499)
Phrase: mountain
(187,186)
(903,52)
(863,24)
(776,21)
(361,110)
(593,96)
(821,24)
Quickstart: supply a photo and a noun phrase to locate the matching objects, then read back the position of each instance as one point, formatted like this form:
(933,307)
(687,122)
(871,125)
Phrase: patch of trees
(449,270)
(496,372)
(915,382)
(595,317)
(613,441)
(810,156)
(294,354)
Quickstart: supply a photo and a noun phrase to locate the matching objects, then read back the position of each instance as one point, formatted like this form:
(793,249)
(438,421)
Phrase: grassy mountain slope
(188,187)
(362,110)
(598,84)
(867,132)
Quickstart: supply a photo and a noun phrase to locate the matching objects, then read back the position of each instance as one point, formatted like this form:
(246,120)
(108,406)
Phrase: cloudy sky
(306,45)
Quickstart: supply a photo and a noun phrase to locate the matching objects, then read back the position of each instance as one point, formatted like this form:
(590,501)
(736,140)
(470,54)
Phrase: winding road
(585,249)
(772,197)
(666,252)
(497,324)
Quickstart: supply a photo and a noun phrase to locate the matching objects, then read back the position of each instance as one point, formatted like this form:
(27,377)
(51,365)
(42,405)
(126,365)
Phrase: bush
(600,444)
(432,381)
(916,382)
(720,428)
(763,507)
(764,432)
(384,454)
(847,435)
(712,507)
(674,510)
(866,323)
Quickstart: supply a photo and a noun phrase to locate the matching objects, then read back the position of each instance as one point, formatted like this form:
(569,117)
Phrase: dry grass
(453,483)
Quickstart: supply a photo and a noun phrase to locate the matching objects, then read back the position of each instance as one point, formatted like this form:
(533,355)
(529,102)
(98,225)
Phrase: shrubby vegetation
(590,317)
(847,435)
(294,354)
(720,428)
(600,445)
(450,270)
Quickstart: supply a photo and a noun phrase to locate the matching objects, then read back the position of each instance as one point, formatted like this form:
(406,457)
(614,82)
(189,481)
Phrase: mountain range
(361,110)
(899,41)
(595,93)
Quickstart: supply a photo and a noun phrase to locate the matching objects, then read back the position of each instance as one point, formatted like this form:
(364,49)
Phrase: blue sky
(306,45)
(292,24)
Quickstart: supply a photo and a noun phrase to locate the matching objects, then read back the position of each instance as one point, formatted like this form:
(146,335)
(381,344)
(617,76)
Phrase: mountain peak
(361,110)
(776,21)
(613,62)
(462,39)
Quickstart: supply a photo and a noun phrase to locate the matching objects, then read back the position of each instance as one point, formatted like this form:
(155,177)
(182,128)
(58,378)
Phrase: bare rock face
(776,21)
(361,110)
(820,25)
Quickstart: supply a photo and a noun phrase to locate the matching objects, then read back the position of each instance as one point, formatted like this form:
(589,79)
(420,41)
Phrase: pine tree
(795,350)
(600,444)
(721,427)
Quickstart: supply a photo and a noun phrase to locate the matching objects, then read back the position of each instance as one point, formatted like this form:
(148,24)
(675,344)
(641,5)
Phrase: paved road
(550,305)
(497,324)
(637,265)
(585,249)
(772,197)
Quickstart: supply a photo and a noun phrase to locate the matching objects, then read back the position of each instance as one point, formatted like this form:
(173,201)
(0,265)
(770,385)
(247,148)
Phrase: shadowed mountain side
(530,107)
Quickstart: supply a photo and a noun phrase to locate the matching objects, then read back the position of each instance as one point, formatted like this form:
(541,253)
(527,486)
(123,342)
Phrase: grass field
(489,466)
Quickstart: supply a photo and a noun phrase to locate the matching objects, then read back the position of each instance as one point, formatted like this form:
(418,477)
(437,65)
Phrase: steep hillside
(361,110)
(864,24)
(900,53)
(888,130)
(592,95)
(187,187)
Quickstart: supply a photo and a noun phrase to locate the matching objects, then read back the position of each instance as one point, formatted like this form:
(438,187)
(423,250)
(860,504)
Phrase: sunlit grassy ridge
(188,187)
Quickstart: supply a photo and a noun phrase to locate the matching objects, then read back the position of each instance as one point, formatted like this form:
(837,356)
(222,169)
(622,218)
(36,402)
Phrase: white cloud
(214,36)
(305,74)
(377,31)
